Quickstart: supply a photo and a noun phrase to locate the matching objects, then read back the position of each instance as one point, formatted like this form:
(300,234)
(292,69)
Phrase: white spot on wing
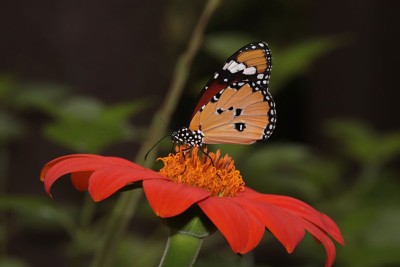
(237,67)
(231,64)
(249,71)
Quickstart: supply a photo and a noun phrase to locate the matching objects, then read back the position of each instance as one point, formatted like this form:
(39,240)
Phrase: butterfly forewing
(252,62)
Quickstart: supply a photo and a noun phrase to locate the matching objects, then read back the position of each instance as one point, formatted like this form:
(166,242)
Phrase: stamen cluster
(210,171)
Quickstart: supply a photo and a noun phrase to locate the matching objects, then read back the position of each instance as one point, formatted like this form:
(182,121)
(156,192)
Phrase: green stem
(187,232)
(179,78)
(127,203)
(182,250)
(87,211)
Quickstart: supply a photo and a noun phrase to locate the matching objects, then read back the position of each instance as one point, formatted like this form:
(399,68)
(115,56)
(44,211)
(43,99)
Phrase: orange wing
(252,62)
(242,113)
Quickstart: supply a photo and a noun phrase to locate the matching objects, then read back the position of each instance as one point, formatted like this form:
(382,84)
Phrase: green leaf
(7,86)
(140,251)
(290,169)
(372,236)
(222,45)
(361,143)
(277,169)
(42,96)
(85,125)
(296,59)
(37,211)
(80,108)
(10,127)
(12,262)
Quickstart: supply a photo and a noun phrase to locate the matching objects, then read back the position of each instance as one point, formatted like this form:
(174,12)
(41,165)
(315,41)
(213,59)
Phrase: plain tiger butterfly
(235,106)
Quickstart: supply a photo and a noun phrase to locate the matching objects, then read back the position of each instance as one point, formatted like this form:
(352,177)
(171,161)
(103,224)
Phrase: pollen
(209,171)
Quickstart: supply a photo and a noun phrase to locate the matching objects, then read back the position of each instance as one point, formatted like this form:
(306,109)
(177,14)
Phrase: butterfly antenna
(145,157)
(208,156)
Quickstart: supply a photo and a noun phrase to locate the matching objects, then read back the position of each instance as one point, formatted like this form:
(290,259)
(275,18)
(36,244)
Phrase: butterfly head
(186,136)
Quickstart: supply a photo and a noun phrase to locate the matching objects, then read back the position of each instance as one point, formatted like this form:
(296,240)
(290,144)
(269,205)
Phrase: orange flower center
(213,173)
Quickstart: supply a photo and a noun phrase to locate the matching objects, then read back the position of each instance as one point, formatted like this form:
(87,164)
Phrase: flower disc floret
(211,172)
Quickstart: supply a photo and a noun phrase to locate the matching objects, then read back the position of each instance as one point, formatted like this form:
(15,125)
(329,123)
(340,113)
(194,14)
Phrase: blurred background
(87,77)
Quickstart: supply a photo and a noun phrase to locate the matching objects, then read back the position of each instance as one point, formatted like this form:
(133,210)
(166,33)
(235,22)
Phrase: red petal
(58,167)
(168,199)
(324,239)
(80,180)
(242,230)
(53,162)
(283,225)
(107,181)
(334,230)
(307,212)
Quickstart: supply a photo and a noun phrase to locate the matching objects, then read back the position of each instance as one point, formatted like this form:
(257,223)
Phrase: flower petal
(80,180)
(168,199)
(53,162)
(317,223)
(106,181)
(282,224)
(307,212)
(334,230)
(58,167)
(242,230)
(322,237)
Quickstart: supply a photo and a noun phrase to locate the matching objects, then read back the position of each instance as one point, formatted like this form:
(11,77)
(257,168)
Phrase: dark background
(119,50)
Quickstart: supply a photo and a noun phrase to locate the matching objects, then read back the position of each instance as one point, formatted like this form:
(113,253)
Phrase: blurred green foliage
(87,125)
(77,123)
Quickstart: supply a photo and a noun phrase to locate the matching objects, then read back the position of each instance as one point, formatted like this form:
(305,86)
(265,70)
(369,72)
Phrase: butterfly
(235,106)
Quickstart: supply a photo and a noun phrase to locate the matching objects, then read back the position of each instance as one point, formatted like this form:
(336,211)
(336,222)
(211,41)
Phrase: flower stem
(126,204)
(187,232)
(182,250)
(87,211)
(180,76)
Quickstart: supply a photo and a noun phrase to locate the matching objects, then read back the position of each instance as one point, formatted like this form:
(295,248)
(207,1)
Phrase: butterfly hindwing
(243,114)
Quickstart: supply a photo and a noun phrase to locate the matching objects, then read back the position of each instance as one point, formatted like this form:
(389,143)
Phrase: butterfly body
(235,106)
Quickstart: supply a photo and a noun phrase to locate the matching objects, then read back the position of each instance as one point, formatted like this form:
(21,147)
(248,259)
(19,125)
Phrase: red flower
(240,213)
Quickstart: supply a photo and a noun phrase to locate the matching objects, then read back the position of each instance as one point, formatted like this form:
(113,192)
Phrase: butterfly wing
(235,106)
(241,113)
(252,62)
